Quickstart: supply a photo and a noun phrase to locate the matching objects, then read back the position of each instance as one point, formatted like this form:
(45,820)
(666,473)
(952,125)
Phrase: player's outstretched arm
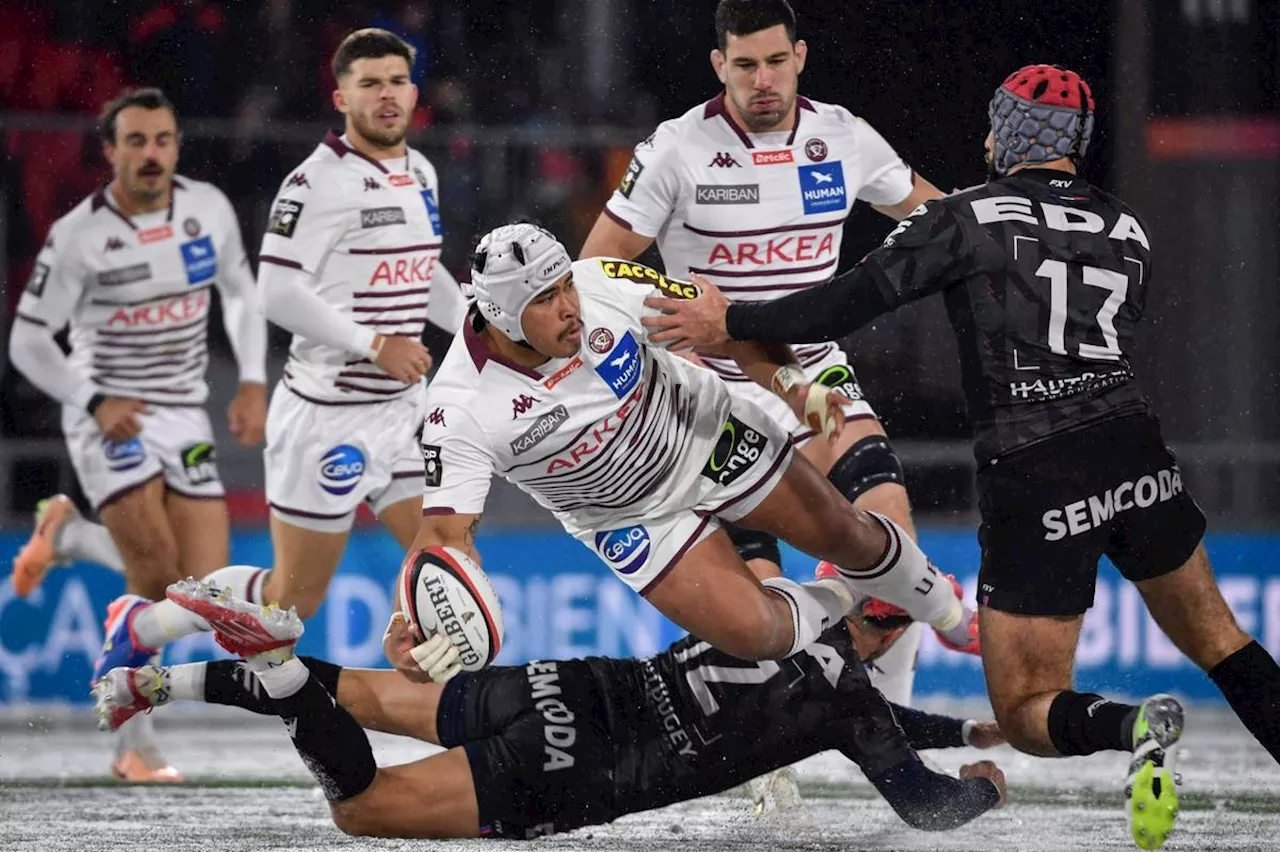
(930,730)
(933,801)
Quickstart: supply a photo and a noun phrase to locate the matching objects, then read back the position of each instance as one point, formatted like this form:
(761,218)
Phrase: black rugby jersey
(1044,278)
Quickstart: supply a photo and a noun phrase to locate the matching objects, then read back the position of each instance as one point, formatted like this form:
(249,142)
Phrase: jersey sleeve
(628,284)
(650,189)
(308,217)
(241,310)
(57,281)
(885,178)
(459,467)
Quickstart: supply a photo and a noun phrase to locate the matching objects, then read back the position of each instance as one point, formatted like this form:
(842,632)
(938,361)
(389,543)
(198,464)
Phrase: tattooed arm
(445,528)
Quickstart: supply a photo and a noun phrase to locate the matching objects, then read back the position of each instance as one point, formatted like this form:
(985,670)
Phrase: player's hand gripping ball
(443,592)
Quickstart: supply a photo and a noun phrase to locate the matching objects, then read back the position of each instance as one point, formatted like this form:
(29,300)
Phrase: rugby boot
(1150,792)
(40,553)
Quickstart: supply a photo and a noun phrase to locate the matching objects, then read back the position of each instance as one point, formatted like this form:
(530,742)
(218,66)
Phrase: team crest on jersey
(198,463)
(432,466)
(626,550)
(284,217)
(420,176)
(621,367)
(822,187)
(191,226)
(736,451)
(815,149)
(39,275)
(600,340)
(200,258)
(634,168)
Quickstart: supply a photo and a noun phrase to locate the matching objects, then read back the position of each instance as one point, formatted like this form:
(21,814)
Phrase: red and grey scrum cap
(1040,113)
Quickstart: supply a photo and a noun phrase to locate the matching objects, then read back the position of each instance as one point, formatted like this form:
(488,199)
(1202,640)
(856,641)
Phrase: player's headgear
(1040,113)
(510,267)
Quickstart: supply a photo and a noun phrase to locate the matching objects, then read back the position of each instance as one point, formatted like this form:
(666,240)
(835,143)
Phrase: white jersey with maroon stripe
(136,291)
(619,433)
(759,214)
(368,233)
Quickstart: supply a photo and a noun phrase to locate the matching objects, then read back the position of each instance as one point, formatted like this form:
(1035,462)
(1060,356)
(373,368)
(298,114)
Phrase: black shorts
(1050,511)
(537,740)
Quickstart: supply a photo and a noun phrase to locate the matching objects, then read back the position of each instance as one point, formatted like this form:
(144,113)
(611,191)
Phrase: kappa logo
(724,160)
(521,405)
(436,418)
(113,244)
(370,184)
(298,179)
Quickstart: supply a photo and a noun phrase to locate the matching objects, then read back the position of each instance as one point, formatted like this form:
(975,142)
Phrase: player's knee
(357,817)
(152,565)
(868,463)
(759,632)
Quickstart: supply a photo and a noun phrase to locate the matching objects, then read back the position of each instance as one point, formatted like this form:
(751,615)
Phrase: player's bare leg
(141,530)
(402,520)
(804,510)
(202,529)
(305,562)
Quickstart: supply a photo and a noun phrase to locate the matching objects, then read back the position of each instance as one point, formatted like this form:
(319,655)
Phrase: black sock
(1250,681)
(1082,723)
(330,742)
(231,682)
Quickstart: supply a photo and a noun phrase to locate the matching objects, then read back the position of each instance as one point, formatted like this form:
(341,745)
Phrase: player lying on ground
(552,385)
(1045,278)
(553,746)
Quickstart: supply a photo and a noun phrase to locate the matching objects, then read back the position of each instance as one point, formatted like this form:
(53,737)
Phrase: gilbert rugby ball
(442,590)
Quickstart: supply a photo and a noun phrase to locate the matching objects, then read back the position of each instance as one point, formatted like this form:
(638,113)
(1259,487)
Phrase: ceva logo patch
(626,550)
(341,469)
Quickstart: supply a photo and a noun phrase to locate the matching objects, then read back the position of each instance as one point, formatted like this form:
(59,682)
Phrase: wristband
(966,729)
(95,402)
(378,341)
(786,378)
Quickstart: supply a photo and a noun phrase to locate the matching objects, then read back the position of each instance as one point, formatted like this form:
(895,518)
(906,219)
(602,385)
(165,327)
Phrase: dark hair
(744,17)
(149,98)
(369,43)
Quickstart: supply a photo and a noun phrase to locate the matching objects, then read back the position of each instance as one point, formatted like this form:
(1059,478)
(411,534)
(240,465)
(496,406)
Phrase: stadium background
(531,109)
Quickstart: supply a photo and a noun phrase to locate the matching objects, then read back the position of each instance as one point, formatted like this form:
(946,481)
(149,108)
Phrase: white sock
(905,578)
(164,621)
(815,606)
(280,671)
(86,541)
(186,681)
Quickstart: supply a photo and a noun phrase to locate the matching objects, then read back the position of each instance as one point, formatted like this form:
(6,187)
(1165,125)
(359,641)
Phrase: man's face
(377,98)
(761,73)
(552,323)
(144,153)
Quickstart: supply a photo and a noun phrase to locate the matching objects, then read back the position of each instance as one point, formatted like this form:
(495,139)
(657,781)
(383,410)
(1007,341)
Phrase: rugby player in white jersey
(640,454)
(751,189)
(133,269)
(349,264)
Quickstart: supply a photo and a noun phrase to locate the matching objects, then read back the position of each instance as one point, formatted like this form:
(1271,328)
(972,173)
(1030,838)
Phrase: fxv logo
(522,404)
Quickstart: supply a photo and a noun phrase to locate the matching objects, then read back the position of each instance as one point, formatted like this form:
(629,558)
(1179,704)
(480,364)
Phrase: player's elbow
(24,346)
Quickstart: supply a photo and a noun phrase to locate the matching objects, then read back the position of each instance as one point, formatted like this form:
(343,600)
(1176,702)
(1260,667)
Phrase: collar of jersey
(481,354)
(340,146)
(102,198)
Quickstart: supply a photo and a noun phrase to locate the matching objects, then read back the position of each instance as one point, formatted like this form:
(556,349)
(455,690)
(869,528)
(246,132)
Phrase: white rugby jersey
(368,233)
(136,292)
(759,214)
(610,436)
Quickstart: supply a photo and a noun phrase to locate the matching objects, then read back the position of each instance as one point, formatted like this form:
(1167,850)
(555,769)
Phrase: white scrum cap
(510,267)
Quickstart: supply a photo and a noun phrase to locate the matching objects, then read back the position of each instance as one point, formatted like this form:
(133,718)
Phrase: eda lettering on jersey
(822,187)
(200,258)
(620,368)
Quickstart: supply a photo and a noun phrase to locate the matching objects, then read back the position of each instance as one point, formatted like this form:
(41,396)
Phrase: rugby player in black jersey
(555,745)
(1044,278)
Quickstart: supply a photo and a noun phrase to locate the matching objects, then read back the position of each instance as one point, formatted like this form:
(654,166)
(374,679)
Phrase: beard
(989,158)
(386,138)
(766,121)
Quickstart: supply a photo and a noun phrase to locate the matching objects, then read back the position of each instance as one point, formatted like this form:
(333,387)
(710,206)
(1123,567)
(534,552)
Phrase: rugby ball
(443,590)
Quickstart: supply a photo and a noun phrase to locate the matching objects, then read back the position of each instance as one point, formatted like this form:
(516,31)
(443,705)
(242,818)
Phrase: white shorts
(831,368)
(745,466)
(176,442)
(323,461)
